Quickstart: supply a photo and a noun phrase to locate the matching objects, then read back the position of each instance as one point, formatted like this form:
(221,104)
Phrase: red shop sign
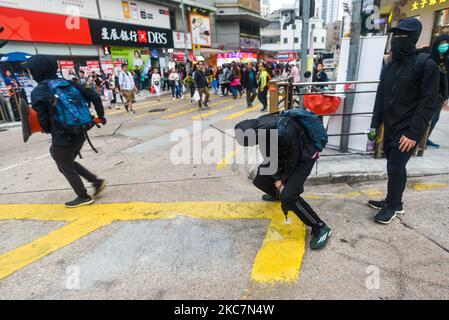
(25,25)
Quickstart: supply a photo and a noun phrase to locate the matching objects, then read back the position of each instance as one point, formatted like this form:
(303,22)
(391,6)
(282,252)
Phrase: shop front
(433,14)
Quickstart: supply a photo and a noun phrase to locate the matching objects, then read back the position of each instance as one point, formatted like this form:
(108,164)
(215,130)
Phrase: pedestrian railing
(286,94)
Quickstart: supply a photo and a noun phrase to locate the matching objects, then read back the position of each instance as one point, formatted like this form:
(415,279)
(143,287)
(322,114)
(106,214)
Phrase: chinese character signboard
(128,35)
(135,12)
(182,40)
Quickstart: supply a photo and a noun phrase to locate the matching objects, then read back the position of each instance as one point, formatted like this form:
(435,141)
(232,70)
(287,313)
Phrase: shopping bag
(196,96)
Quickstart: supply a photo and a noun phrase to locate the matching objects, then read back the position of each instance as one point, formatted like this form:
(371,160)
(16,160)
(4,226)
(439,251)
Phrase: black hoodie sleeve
(428,101)
(289,153)
(91,96)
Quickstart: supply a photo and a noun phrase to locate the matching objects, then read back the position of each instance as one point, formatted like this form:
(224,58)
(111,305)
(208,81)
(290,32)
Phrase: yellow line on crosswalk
(279,258)
(212,112)
(241,113)
(184,112)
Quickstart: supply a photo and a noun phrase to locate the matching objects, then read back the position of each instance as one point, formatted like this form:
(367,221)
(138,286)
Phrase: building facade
(433,14)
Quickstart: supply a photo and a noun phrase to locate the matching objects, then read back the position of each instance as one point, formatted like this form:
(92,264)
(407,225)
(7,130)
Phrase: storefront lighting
(421,4)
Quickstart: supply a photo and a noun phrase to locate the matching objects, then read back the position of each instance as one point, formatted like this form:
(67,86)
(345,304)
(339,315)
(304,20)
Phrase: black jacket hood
(42,67)
(434,51)
(265,122)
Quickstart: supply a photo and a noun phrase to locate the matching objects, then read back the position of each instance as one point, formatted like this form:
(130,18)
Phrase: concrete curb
(357,177)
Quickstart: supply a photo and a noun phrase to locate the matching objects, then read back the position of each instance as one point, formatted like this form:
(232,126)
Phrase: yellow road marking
(29,253)
(241,113)
(225,161)
(428,186)
(279,259)
(184,112)
(212,112)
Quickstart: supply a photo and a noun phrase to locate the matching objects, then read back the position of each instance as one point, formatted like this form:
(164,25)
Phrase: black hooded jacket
(44,68)
(292,143)
(406,103)
(442,62)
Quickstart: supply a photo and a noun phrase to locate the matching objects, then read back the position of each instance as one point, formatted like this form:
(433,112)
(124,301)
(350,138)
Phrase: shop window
(441,24)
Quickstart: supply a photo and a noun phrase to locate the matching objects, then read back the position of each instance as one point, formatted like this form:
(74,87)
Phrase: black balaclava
(403,47)
(42,67)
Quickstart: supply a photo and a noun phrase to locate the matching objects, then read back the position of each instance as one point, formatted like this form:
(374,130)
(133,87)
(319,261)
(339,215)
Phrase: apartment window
(293,26)
(285,40)
(284,27)
(296,39)
(314,39)
(322,39)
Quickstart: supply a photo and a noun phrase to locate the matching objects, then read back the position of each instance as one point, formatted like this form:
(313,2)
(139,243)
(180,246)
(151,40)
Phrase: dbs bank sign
(120,34)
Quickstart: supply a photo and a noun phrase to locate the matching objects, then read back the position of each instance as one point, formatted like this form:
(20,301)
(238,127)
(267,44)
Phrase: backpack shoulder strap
(421,59)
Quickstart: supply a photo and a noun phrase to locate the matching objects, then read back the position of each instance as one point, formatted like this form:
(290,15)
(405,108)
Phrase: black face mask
(403,47)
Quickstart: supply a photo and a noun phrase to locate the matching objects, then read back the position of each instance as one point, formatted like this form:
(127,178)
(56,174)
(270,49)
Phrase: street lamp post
(304,35)
(184,26)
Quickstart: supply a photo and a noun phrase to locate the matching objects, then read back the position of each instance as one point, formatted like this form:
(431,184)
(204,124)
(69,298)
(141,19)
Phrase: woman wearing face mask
(440,54)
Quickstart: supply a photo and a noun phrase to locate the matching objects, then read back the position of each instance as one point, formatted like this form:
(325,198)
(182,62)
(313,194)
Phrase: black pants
(263,97)
(397,172)
(290,195)
(72,170)
(250,96)
(435,119)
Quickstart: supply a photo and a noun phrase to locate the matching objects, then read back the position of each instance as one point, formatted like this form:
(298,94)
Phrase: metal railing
(286,94)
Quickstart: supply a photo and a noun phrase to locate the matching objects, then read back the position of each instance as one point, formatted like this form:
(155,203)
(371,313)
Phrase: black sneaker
(267,197)
(263,109)
(99,187)
(320,238)
(380,204)
(78,202)
(385,215)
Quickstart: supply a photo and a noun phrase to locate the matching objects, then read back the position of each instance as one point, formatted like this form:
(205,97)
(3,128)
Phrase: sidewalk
(351,169)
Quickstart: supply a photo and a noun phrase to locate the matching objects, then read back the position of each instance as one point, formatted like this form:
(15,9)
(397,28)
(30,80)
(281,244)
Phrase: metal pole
(304,35)
(184,26)
(354,52)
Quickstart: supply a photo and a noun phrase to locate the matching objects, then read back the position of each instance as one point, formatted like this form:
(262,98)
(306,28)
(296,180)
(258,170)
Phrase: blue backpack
(71,110)
(309,121)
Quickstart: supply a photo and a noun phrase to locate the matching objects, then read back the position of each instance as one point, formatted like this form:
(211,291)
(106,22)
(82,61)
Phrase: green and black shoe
(320,238)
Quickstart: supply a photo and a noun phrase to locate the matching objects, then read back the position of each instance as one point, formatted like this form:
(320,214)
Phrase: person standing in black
(405,103)
(65,146)
(249,79)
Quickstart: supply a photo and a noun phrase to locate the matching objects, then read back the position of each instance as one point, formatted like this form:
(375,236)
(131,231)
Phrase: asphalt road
(199,231)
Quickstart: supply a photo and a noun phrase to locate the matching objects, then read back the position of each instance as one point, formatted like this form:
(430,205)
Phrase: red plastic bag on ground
(321,104)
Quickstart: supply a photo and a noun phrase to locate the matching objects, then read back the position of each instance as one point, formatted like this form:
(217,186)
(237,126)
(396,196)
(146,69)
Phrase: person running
(156,83)
(264,79)
(201,84)
(440,54)
(65,145)
(405,103)
(295,155)
(127,87)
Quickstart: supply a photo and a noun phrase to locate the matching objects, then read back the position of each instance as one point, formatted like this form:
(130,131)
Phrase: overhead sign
(73,8)
(128,35)
(24,25)
(200,29)
(182,40)
(421,4)
(135,12)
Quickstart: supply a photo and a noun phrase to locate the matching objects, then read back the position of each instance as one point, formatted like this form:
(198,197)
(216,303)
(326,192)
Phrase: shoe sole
(81,204)
(100,190)
(378,208)
(385,222)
